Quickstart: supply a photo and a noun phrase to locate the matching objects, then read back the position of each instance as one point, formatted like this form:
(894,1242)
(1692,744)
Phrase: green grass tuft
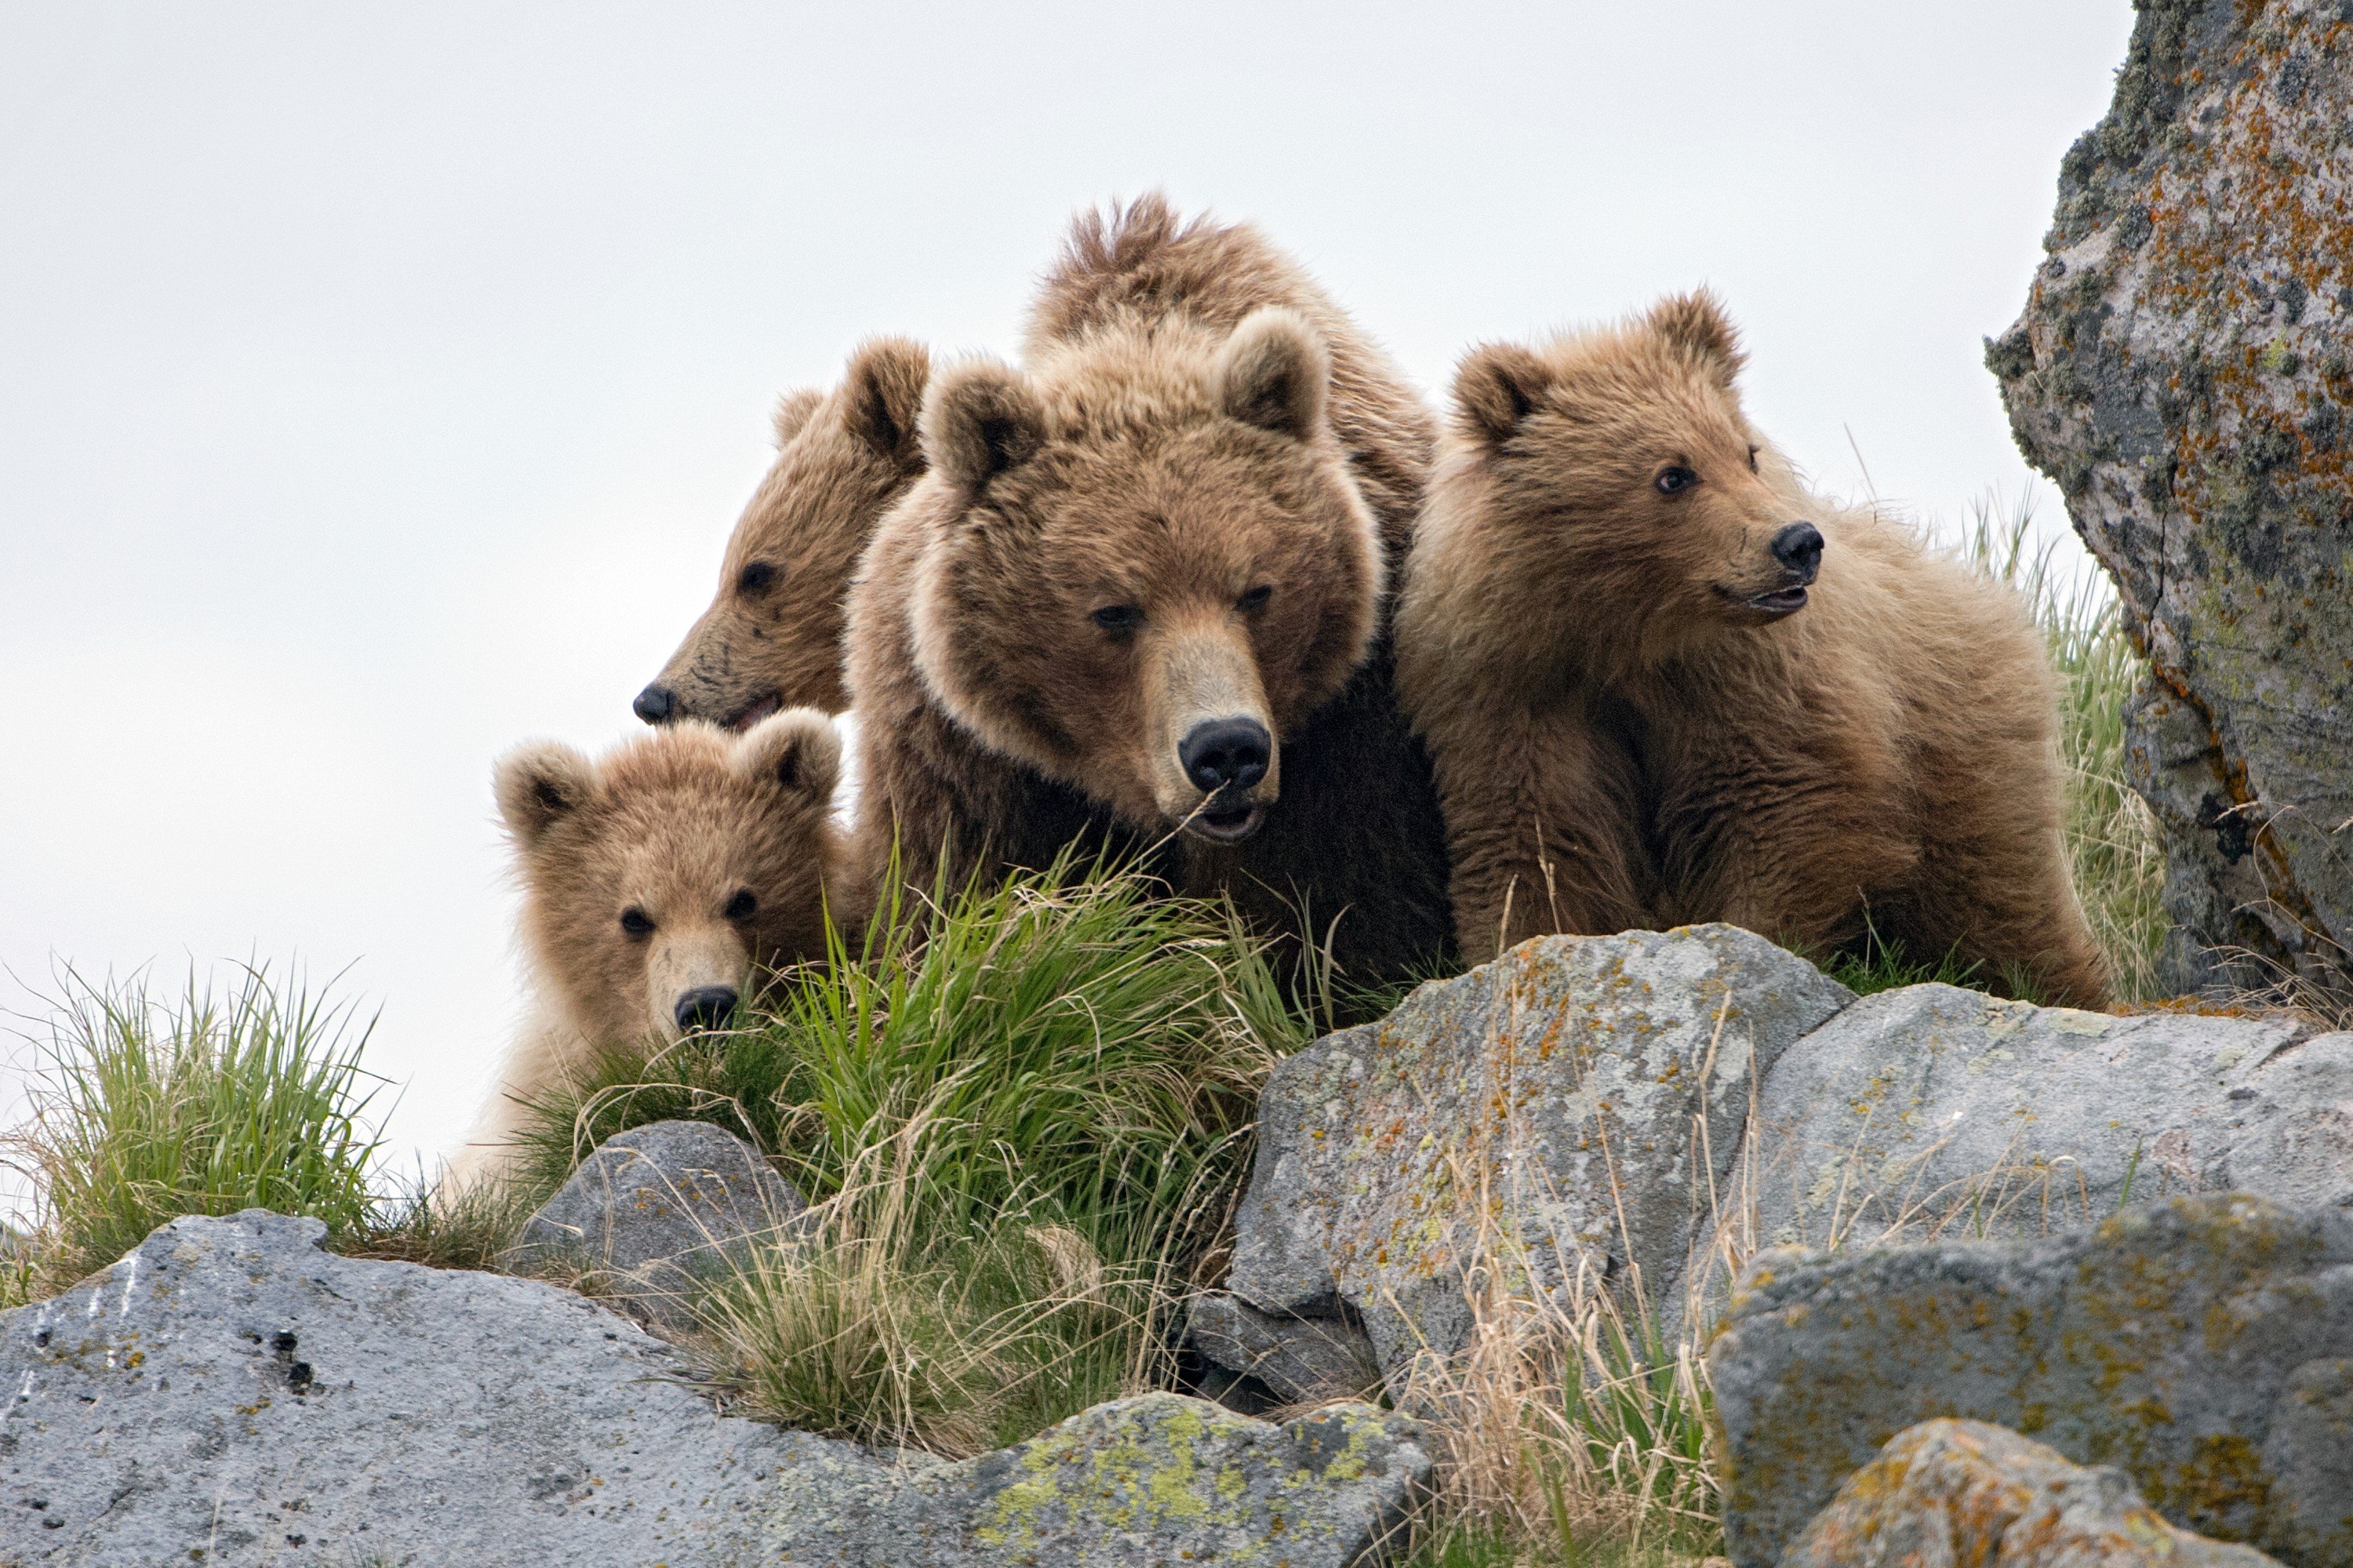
(145,1108)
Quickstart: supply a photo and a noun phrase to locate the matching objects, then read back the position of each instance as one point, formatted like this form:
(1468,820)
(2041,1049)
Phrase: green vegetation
(144,1110)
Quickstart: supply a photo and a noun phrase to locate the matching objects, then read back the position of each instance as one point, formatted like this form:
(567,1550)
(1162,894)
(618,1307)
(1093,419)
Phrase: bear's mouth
(751,712)
(1226,824)
(1780,602)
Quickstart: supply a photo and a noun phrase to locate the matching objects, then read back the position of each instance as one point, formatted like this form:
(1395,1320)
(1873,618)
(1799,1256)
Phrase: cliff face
(2183,371)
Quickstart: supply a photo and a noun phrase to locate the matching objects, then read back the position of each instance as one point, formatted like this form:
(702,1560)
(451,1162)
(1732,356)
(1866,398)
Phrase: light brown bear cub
(1662,684)
(658,884)
(772,637)
(1141,597)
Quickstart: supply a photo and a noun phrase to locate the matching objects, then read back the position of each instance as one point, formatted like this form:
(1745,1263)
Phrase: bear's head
(772,637)
(1604,497)
(1143,564)
(659,880)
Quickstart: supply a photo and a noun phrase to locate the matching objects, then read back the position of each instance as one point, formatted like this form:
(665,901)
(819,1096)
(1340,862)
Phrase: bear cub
(1661,683)
(772,637)
(660,883)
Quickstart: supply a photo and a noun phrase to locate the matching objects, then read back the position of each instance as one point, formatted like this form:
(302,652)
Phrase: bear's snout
(655,703)
(1226,753)
(1798,548)
(705,1007)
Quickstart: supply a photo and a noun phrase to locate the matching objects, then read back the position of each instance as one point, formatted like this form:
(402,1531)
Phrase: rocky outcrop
(231,1394)
(1300,1359)
(1574,1105)
(2184,370)
(653,1215)
(1962,1491)
(1933,1110)
(2201,1346)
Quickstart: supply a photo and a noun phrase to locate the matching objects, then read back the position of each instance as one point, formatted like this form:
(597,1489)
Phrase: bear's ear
(797,750)
(1496,388)
(1274,373)
(980,418)
(538,785)
(1696,323)
(883,395)
(792,411)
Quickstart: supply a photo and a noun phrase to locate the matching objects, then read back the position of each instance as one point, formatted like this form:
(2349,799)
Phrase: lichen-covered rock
(1933,1110)
(1962,1491)
(231,1394)
(2194,1344)
(1155,1480)
(2184,370)
(655,1212)
(1301,1360)
(1576,1103)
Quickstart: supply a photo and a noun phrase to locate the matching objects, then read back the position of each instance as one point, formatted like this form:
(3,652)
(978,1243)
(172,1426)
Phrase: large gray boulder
(230,1392)
(2184,370)
(1933,1110)
(1301,1360)
(2202,1346)
(1573,1106)
(1962,1491)
(654,1214)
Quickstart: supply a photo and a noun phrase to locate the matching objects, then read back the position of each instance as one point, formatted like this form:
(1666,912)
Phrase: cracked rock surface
(2184,371)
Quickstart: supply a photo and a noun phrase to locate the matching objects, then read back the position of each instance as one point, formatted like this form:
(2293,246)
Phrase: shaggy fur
(1183,510)
(724,845)
(1624,737)
(772,637)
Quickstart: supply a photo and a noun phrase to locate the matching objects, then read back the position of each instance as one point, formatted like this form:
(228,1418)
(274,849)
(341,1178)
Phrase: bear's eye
(743,906)
(637,922)
(1118,619)
(1255,599)
(755,579)
(1674,479)
(1752,459)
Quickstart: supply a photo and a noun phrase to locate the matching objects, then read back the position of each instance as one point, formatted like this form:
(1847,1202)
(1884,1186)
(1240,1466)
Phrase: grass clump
(1022,1114)
(147,1107)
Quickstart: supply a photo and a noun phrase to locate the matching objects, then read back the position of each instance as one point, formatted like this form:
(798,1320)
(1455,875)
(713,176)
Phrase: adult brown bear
(1141,595)
(1662,685)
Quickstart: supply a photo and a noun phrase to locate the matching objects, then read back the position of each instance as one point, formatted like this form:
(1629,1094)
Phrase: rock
(1157,1479)
(231,1394)
(1935,1110)
(2197,1345)
(1962,1491)
(1574,1104)
(654,1212)
(1301,1361)
(2184,371)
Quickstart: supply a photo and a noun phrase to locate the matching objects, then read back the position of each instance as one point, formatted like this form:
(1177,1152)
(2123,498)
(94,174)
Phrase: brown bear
(658,885)
(1662,684)
(1140,598)
(772,637)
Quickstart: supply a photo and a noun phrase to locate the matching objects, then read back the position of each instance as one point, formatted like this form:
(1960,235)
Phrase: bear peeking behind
(772,637)
(658,884)
(1662,684)
(1140,597)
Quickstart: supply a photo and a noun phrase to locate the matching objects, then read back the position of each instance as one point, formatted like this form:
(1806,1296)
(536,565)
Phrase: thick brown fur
(772,637)
(682,830)
(1199,438)
(1624,738)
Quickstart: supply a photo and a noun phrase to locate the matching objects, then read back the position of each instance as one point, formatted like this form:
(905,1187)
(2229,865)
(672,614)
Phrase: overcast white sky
(378,385)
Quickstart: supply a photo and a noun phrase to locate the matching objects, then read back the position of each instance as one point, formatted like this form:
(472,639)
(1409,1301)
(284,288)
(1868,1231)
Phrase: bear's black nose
(706,1007)
(654,705)
(1231,753)
(1799,547)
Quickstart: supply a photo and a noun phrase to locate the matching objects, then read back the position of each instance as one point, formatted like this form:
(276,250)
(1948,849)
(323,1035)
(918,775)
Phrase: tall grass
(147,1107)
(2114,843)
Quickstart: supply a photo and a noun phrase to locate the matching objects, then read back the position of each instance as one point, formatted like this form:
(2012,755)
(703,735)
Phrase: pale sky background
(378,385)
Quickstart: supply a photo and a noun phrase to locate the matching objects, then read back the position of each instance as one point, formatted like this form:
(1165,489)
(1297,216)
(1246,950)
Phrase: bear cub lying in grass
(658,884)
(1662,685)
